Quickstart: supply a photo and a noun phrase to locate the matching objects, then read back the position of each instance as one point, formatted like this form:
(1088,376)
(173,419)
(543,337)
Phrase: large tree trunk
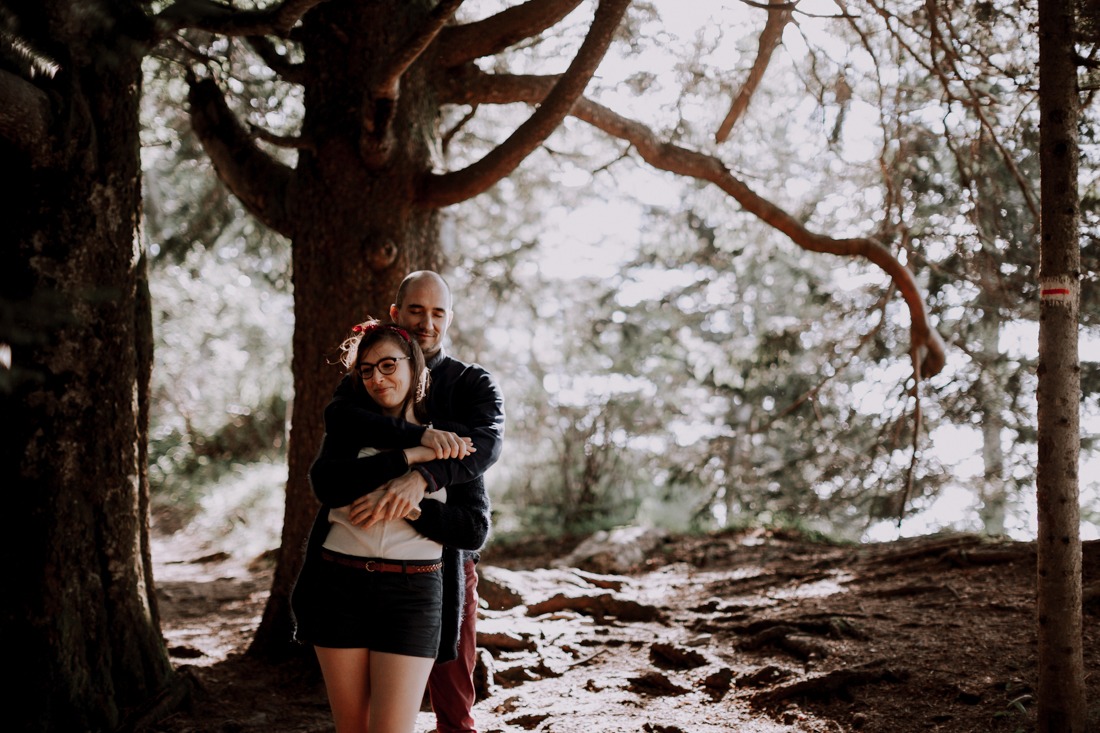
(1061,667)
(358,233)
(81,611)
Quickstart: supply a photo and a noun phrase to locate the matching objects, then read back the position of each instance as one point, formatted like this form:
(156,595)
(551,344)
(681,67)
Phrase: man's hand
(394,500)
(447,444)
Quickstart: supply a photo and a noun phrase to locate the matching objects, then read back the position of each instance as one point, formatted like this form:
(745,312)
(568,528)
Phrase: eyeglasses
(385,366)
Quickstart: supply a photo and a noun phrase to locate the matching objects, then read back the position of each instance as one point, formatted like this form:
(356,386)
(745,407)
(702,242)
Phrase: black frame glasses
(386,367)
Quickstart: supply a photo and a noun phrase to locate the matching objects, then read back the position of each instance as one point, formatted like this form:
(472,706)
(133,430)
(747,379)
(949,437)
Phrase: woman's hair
(372,331)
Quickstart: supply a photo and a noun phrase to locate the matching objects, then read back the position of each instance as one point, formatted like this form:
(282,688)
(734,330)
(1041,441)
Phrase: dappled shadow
(757,632)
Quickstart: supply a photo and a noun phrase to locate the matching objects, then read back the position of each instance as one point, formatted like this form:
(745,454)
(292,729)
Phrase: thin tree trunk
(1061,667)
(993,492)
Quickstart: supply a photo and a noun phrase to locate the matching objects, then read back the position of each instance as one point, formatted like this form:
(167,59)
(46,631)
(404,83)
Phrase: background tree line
(714,368)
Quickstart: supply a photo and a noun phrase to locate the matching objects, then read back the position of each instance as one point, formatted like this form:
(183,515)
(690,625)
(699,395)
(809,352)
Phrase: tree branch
(973,102)
(215,17)
(463,43)
(451,188)
(927,346)
(260,182)
(25,117)
(387,87)
(295,142)
(278,63)
(779,15)
(379,103)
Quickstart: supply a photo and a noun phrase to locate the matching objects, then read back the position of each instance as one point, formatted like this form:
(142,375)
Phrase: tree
(361,203)
(80,610)
(1061,665)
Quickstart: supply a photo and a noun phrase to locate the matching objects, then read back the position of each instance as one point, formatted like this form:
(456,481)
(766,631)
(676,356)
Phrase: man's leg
(451,684)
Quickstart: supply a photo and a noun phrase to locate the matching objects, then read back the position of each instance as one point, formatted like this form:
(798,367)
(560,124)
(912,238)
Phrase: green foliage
(222,318)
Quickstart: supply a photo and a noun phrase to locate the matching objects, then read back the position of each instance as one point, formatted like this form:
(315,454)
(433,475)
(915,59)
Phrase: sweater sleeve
(338,476)
(481,409)
(462,522)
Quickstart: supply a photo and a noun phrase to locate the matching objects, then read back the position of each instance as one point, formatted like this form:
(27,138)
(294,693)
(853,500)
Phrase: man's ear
(393,312)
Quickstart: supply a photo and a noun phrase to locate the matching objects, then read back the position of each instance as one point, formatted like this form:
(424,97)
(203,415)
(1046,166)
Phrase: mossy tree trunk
(80,610)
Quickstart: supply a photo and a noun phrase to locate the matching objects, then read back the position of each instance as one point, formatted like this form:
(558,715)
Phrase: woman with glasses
(369,596)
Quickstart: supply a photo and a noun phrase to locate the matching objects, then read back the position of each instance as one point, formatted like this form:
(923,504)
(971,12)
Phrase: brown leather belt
(380,566)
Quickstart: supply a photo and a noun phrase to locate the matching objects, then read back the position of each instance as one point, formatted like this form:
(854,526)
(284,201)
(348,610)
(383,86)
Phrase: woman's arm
(338,476)
(346,415)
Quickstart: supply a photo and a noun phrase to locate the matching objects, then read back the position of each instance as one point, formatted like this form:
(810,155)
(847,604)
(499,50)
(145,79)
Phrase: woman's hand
(398,499)
(446,444)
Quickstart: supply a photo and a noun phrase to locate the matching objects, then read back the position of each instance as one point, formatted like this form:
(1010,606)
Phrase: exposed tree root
(599,606)
(668,656)
(833,684)
(655,683)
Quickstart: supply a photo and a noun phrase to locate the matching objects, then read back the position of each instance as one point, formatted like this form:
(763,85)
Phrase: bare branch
(1086,61)
(772,5)
(217,17)
(282,141)
(259,181)
(278,63)
(462,43)
(979,112)
(926,345)
(379,103)
(388,85)
(25,117)
(973,102)
(779,15)
(559,99)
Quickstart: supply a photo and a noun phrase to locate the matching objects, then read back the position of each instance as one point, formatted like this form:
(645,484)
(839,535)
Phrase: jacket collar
(436,359)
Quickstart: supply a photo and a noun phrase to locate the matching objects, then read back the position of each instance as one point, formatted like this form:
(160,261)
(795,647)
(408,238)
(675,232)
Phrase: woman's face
(388,390)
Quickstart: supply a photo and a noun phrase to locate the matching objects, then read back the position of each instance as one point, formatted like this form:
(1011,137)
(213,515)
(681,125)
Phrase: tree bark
(356,232)
(993,491)
(81,611)
(1061,668)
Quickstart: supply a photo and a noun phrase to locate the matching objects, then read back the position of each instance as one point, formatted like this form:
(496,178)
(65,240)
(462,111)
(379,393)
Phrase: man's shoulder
(456,368)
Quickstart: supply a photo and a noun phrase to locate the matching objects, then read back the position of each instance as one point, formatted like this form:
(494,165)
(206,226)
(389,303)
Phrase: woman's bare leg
(397,685)
(347,681)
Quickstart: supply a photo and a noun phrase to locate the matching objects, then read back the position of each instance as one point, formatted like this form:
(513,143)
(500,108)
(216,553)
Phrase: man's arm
(462,521)
(475,400)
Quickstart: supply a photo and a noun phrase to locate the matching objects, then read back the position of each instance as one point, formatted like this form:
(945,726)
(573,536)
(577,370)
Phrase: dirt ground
(753,632)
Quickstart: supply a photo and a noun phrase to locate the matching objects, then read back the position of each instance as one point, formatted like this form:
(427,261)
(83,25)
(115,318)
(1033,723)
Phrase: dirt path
(755,633)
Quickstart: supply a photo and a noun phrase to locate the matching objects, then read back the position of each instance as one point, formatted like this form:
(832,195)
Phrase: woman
(369,597)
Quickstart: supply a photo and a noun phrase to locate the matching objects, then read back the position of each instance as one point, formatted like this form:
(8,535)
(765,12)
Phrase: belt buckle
(369,566)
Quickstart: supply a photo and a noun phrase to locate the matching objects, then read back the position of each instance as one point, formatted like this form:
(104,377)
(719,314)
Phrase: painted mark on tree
(1062,290)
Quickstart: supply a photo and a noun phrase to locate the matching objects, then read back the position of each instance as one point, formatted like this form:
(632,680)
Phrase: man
(465,399)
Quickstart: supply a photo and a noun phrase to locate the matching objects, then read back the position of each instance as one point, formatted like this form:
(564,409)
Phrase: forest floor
(755,631)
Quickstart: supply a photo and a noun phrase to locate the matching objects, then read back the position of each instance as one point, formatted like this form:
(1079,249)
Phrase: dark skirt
(350,608)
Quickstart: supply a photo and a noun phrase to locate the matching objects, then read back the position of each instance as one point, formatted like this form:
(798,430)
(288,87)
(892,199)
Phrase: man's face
(425,313)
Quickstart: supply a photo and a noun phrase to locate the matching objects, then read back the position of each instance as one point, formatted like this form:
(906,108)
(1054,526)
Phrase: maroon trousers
(451,684)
